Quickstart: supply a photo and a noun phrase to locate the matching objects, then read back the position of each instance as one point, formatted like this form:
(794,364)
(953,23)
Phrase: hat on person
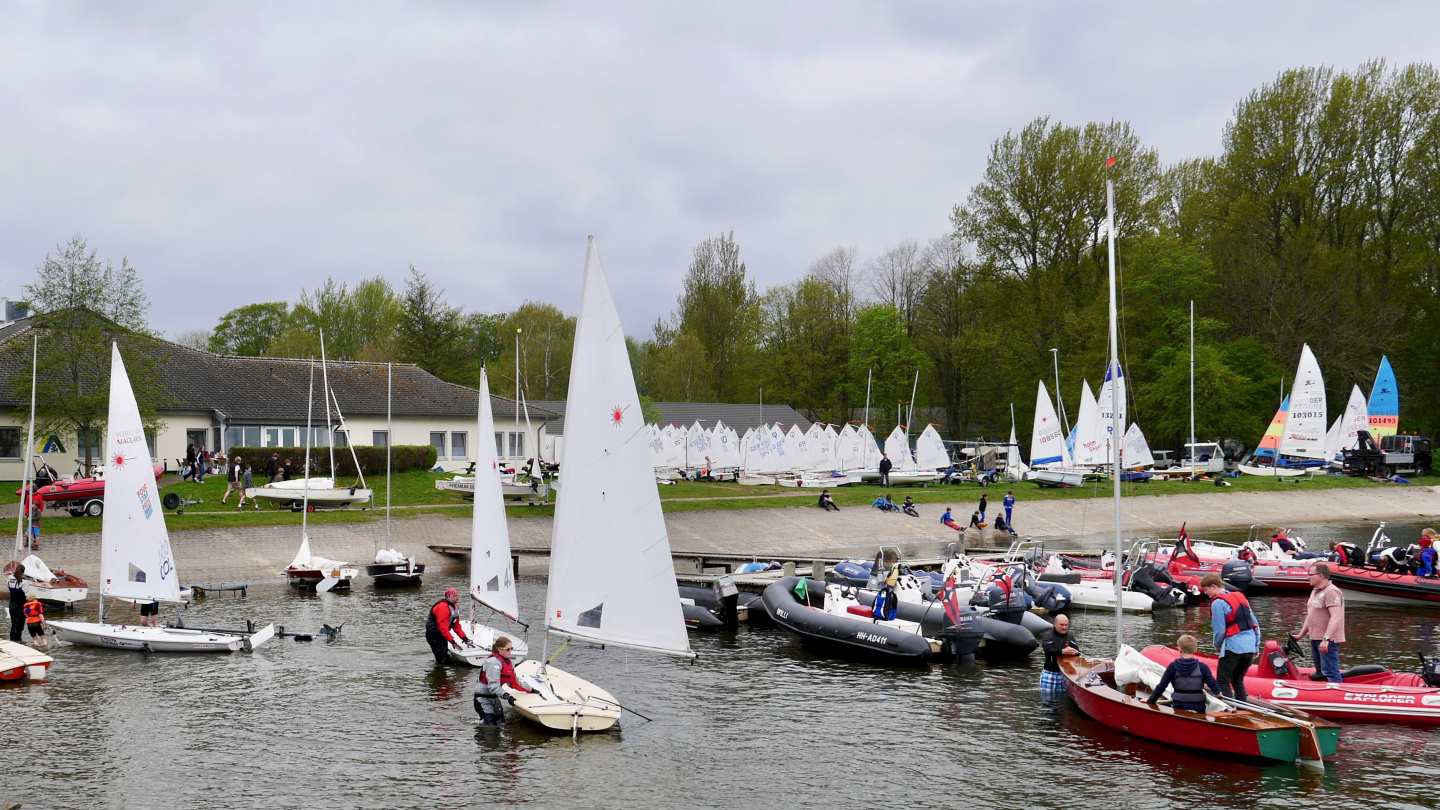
(449,592)
(1426,542)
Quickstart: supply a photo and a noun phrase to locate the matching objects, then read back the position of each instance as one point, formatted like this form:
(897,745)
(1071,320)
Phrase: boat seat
(1353,672)
(860,610)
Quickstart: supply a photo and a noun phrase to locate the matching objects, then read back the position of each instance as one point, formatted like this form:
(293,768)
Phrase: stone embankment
(261,553)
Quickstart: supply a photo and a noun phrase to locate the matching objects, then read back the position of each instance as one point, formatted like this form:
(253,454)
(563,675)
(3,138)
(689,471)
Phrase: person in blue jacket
(1190,678)
(1237,634)
(1009,503)
(1425,559)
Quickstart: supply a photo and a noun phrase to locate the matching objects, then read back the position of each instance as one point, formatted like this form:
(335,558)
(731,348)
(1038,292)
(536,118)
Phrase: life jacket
(1348,554)
(34,611)
(885,608)
(1425,563)
(507,671)
(1240,618)
(1189,688)
(432,622)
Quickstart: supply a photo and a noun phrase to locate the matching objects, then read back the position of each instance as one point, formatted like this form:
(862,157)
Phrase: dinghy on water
(21,663)
(136,563)
(392,569)
(307,571)
(612,579)
(55,587)
(492,581)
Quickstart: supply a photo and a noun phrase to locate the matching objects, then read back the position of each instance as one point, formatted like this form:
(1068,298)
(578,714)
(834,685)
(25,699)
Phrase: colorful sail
(1384,405)
(1270,442)
(1307,419)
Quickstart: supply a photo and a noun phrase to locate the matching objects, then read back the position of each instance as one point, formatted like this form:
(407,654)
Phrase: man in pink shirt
(1324,622)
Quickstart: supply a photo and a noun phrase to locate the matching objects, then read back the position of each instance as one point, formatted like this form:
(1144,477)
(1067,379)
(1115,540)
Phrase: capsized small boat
(55,587)
(1368,693)
(1115,694)
(21,663)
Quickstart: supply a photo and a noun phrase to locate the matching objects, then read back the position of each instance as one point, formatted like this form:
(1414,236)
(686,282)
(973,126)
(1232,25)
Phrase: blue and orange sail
(1270,443)
(1384,406)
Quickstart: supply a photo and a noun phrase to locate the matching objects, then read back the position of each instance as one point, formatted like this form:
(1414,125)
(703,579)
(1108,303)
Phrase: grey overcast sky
(237,152)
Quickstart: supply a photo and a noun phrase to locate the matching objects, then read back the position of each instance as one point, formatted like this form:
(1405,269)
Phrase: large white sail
(830,450)
(897,447)
(674,446)
(1087,450)
(797,450)
(848,453)
(930,452)
(697,447)
(1112,398)
(1355,419)
(611,577)
(1047,438)
(869,450)
(1136,452)
(655,441)
(135,558)
(492,581)
(778,461)
(818,450)
(1305,425)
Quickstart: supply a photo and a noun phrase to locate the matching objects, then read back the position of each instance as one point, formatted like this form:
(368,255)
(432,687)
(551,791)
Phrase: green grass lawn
(414,494)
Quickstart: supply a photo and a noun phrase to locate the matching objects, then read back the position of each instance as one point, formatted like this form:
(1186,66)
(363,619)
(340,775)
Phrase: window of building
(251,437)
(499,445)
(342,438)
(10,442)
(95,447)
(380,438)
(150,445)
(517,445)
(288,436)
(458,440)
(437,441)
(196,437)
(234,437)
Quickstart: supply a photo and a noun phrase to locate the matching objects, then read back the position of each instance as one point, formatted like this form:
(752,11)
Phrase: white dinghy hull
(484,638)
(156,639)
(562,702)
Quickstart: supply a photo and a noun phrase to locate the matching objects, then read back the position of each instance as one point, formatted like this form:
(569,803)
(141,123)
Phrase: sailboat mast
(1114,411)
(309,411)
(1059,400)
(868,374)
(389,442)
(910,416)
(325,379)
(21,527)
(1192,387)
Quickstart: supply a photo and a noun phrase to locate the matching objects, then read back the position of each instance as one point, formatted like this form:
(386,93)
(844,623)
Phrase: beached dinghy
(136,564)
(492,580)
(56,587)
(612,580)
(21,663)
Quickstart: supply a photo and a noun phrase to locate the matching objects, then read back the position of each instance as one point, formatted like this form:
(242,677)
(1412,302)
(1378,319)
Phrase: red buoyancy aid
(1234,619)
(447,625)
(34,611)
(507,674)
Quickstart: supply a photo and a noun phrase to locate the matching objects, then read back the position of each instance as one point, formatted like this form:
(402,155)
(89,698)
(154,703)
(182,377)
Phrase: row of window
(268,436)
(458,444)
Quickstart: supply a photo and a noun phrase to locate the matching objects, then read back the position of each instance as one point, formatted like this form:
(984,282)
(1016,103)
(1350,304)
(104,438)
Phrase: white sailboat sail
(757,451)
(1047,438)
(1136,453)
(818,457)
(778,460)
(897,447)
(611,576)
(1014,466)
(848,452)
(674,446)
(830,450)
(797,450)
(1087,449)
(492,581)
(930,452)
(1305,425)
(655,441)
(697,447)
(869,450)
(1112,399)
(1355,419)
(135,558)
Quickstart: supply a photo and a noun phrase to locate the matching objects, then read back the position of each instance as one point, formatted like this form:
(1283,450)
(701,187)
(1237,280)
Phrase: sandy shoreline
(260,553)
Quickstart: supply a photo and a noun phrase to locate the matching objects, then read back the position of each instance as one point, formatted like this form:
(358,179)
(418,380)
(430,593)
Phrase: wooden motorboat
(53,587)
(21,663)
(1259,732)
(561,702)
(313,572)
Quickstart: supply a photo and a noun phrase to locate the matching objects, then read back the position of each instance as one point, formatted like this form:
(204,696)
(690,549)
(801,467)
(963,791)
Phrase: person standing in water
(442,627)
(496,673)
(17,603)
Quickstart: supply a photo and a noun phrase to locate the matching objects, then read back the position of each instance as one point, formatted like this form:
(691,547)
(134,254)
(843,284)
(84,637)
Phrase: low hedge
(372,459)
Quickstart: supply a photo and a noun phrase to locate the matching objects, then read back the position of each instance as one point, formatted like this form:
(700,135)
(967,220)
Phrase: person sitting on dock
(1002,525)
(826,502)
(1056,643)
(496,673)
(1425,559)
(947,520)
(1190,677)
(885,504)
(442,627)
(1237,634)
(976,521)
(909,507)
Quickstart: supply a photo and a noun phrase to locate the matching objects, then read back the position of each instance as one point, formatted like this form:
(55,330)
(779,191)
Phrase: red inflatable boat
(81,496)
(1378,587)
(1369,693)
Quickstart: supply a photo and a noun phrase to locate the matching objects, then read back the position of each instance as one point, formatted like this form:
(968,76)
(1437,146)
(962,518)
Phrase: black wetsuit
(17,611)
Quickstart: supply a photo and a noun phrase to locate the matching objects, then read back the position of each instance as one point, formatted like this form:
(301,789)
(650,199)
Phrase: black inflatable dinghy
(851,636)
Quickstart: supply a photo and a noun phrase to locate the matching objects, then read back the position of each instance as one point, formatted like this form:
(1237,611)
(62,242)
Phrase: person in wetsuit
(442,627)
(17,603)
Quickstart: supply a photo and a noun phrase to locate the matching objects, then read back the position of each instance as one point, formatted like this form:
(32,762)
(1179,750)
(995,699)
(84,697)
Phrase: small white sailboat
(307,571)
(612,581)
(392,568)
(136,564)
(1301,450)
(1050,462)
(492,580)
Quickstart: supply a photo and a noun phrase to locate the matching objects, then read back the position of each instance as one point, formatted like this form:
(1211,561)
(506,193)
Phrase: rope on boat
(552,658)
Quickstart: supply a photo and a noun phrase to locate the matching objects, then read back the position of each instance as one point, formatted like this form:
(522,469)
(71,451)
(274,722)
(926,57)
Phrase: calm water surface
(368,722)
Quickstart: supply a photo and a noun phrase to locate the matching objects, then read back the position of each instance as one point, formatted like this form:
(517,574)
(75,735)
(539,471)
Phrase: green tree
(250,330)
(546,339)
(719,307)
(883,354)
(431,332)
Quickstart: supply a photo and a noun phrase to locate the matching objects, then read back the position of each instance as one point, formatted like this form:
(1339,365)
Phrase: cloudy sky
(238,152)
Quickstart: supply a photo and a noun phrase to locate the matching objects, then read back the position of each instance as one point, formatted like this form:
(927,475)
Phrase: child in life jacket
(1189,676)
(35,623)
(1426,558)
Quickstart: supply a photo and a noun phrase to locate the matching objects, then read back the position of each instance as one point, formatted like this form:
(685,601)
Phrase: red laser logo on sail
(118,462)
(617,415)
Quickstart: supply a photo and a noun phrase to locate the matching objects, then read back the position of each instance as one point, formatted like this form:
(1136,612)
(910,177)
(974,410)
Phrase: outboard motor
(1051,596)
(1237,574)
(1142,580)
(1005,607)
(1430,671)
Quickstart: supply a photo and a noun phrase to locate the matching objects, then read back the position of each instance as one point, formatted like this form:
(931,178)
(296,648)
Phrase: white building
(221,401)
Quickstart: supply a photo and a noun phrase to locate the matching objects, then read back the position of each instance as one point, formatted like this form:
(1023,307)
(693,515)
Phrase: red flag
(1110,163)
(1185,544)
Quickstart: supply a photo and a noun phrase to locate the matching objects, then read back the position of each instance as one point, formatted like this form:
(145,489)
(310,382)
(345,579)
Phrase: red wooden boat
(19,663)
(1257,732)
(1368,694)
(1378,587)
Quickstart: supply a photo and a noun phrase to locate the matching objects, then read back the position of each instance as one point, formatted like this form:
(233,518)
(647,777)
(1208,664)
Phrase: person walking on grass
(247,482)
(272,467)
(234,478)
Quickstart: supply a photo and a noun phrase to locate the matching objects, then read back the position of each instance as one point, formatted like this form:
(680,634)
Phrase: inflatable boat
(1382,588)
(849,634)
(1011,638)
(1368,693)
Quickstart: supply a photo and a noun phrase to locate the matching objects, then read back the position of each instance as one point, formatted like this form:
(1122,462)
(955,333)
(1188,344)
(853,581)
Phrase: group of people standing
(1236,639)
